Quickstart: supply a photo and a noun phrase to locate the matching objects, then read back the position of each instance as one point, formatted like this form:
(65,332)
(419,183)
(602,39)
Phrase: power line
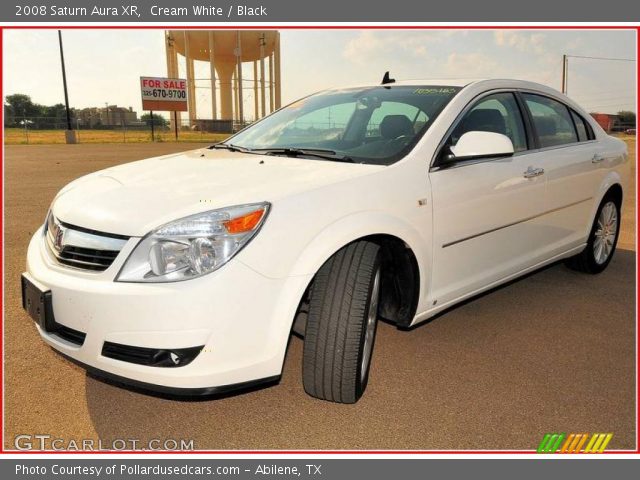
(599,93)
(609,105)
(598,98)
(565,66)
(602,58)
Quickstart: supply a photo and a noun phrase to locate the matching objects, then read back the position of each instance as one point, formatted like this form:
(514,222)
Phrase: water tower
(227,52)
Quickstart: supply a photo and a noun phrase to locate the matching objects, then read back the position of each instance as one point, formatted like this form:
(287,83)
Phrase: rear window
(583,128)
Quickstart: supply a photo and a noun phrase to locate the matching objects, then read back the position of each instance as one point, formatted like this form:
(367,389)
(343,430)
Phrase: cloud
(471,65)
(361,48)
(371,45)
(574,44)
(521,41)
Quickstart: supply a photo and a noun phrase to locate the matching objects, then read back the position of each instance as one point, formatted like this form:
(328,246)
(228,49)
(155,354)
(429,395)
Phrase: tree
(21,105)
(158,120)
(54,116)
(9,117)
(627,117)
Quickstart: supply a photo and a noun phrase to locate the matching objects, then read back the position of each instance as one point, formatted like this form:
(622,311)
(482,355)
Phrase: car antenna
(386,79)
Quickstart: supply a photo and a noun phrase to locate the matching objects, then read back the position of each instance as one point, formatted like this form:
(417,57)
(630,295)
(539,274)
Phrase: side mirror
(482,144)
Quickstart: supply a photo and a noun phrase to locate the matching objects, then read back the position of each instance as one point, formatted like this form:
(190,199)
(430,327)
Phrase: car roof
(463,82)
(444,82)
(440,82)
(475,84)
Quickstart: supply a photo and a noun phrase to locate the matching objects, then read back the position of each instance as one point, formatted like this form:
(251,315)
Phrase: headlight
(194,245)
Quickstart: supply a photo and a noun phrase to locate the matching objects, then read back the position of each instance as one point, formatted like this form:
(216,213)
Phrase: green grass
(17,136)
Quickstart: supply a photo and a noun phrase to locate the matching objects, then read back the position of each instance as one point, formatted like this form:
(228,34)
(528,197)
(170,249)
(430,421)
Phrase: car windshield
(377,125)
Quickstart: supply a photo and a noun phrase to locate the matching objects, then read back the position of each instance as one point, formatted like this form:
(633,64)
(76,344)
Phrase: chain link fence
(48,130)
(628,128)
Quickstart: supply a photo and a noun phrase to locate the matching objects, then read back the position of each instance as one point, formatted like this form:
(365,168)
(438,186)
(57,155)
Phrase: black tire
(586,260)
(335,333)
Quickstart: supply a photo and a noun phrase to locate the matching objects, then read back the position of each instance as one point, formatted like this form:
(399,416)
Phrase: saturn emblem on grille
(58,239)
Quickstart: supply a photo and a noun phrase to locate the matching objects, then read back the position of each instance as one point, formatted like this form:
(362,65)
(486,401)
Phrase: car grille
(90,259)
(82,248)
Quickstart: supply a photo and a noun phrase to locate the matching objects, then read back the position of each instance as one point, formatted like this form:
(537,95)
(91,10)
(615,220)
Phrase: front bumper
(242,318)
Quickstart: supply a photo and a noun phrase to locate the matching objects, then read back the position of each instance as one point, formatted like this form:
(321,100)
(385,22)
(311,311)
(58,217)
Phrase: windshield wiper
(231,147)
(322,153)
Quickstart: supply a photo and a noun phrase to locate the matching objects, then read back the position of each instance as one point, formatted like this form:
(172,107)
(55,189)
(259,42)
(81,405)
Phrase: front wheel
(602,241)
(341,326)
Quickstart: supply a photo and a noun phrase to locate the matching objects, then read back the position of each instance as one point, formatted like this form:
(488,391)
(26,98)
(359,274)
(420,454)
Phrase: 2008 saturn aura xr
(186,273)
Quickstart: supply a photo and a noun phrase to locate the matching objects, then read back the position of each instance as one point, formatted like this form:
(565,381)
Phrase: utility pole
(564,74)
(565,66)
(70,135)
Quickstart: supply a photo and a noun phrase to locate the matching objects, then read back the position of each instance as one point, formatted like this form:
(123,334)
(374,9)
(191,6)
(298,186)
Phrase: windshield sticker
(429,91)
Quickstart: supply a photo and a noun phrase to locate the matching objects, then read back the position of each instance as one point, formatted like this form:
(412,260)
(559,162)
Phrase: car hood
(134,198)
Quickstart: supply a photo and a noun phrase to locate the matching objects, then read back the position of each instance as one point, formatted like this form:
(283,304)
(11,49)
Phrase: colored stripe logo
(574,443)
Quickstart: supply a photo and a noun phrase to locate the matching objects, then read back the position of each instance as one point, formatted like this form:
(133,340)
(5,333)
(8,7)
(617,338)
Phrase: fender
(360,225)
(327,242)
(612,178)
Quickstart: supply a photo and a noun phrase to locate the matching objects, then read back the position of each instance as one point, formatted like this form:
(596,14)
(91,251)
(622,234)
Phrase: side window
(498,113)
(584,129)
(552,121)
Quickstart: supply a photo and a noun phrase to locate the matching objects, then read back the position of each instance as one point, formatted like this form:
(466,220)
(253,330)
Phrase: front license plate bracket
(38,304)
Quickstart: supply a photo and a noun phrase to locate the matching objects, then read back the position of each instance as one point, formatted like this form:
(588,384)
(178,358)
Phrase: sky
(105,65)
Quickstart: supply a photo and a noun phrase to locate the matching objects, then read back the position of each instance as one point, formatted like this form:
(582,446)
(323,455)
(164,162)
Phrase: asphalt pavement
(552,352)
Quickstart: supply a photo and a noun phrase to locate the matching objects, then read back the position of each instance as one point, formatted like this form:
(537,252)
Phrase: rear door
(569,155)
(486,212)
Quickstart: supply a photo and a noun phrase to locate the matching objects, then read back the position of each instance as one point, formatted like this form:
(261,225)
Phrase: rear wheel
(342,322)
(602,241)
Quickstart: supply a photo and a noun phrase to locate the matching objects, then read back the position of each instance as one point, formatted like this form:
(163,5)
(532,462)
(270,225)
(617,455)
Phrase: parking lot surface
(552,352)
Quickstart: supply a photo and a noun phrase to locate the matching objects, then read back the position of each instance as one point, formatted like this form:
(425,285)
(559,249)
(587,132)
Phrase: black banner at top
(281,11)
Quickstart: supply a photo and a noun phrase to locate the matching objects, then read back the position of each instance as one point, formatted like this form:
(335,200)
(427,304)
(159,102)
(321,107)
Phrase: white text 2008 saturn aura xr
(185,274)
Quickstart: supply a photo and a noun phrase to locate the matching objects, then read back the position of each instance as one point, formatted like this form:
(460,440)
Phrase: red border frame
(303,27)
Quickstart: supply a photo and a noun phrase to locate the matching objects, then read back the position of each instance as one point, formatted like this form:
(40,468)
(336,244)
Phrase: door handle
(597,158)
(533,172)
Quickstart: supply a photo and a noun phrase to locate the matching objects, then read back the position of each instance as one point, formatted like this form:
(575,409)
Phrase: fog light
(174,358)
(151,357)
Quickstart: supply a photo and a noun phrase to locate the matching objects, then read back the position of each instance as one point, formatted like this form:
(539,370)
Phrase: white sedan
(185,274)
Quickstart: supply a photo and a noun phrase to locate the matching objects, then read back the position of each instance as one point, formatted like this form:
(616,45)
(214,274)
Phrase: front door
(486,214)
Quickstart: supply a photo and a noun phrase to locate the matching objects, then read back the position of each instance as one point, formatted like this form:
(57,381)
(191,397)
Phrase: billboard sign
(164,94)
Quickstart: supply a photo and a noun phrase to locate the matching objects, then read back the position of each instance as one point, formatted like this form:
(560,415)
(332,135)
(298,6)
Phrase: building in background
(237,61)
(605,120)
(107,116)
(623,121)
